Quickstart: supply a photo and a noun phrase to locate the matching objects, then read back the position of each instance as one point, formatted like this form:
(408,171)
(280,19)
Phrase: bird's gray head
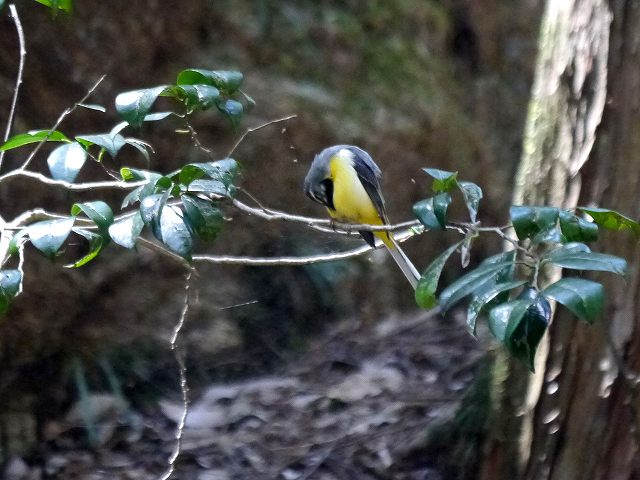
(318,184)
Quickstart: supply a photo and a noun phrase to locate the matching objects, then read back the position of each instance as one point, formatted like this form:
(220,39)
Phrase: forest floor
(358,404)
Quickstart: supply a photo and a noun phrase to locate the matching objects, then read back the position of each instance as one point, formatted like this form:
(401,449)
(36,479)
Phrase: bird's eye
(327,192)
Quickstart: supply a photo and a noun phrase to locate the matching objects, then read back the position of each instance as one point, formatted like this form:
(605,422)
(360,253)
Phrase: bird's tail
(402,260)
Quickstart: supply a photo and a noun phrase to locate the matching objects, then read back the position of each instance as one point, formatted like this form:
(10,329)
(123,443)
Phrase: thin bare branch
(60,119)
(184,386)
(16,90)
(77,187)
(255,129)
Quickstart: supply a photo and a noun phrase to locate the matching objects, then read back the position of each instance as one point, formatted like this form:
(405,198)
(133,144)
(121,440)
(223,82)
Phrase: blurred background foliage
(415,82)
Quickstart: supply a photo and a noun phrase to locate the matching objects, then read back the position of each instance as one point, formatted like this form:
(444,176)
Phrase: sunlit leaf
(174,232)
(125,232)
(49,235)
(66,161)
(428,284)
(91,106)
(612,220)
(36,136)
(443,181)
(98,211)
(588,261)
(95,244)
(199,97)
(133,106)
(111,143)
(472,195)
(224,171)
(583,297)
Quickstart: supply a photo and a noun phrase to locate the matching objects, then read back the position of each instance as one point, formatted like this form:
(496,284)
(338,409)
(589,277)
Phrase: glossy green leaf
(111,143)
(428,284)
(232,108)
(95,244)
(174,232)
(589,261)
(49,235)
(576,229)
(583,297)
(92,106)
(472,195)
(530,222)
(125,232)
(471,282)
(227,81)
(10,281)
(520,325)
(151,208)
(55,5)
(143,147)
(157,116)
(443,181)
(135,175)
(98,211)
(66,161)
(224,171)
(424,211)
(504,275)
(480,301)
(199,97)
(612,220)
(133,106)
(34,137)
(203,217)
(441,202)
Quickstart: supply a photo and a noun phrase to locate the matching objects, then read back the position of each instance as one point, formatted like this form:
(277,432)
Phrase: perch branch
(77,187)
(23,53)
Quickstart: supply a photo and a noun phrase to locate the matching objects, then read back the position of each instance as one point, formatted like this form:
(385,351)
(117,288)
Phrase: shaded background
(416,83)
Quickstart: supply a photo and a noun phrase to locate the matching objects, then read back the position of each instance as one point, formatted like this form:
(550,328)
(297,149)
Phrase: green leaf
(530,222)
(471,282)
(62,5)
(96,242)
(472,195)
(174,232)
(151,209)
(98,211)
(582,297)
(424,211)
(10,281)
(588,261)
(125,232)
(18,239)
(112,143)
(576,229)
(143,147)
(49,235)
(199,97)
(203,217)
(34,137)
(427,285)
(503,276)
(441,203)
(612,220)
(520,325)
(209,187)
(232,108)
(133,106)
(443,181)
(135,175)
(66,161)
(227,81)
(480,301)
(155,117)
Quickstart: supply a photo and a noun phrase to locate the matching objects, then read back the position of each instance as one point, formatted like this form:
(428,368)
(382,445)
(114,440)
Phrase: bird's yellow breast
(351,201)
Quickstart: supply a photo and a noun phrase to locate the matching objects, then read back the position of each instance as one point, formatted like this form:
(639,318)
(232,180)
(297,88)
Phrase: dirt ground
(357,405)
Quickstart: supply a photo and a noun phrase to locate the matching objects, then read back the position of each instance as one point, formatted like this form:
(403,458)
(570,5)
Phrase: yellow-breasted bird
(346,180)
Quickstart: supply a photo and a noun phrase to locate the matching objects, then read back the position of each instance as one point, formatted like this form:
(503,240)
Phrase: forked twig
(255,129)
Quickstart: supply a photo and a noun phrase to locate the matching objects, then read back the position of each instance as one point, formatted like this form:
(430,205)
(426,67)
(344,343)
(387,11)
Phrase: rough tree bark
(577,417)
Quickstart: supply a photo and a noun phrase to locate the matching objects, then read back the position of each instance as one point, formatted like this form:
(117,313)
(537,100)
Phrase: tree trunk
(576,417)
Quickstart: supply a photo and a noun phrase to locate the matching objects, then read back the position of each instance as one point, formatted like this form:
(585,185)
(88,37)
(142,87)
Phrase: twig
(60,119)
(255,129)
(23,53)
(184,387)
(281,261)
(77,187)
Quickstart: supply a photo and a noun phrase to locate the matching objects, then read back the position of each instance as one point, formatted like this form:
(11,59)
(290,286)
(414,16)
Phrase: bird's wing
(369,175)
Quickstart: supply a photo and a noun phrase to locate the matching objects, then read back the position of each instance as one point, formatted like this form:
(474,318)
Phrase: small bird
(346,180)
